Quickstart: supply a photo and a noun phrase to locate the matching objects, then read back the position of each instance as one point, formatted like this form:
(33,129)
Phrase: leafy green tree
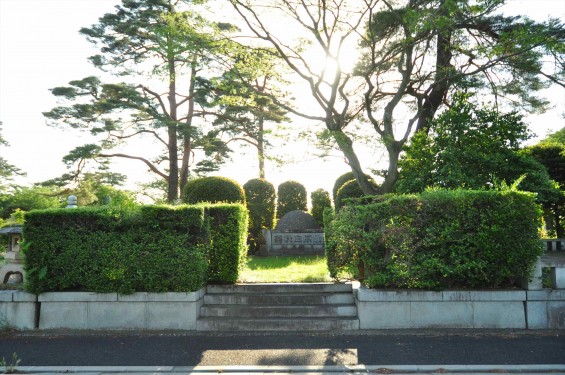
(7,170)
(245,93)
(91,189)
(556,138)
(27,199)
(473,148)
(415,53)
(149,41)
(551,153)
(291,196)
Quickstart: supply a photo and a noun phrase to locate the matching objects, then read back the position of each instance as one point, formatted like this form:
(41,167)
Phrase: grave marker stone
(297,233)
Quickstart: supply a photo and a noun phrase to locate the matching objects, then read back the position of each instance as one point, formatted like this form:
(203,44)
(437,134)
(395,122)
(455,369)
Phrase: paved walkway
(457,352)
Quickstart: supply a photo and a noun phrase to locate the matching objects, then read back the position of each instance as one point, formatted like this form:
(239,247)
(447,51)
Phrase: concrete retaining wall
(17,309)
(388,309)
(546,309)
(146,311)
(378,309)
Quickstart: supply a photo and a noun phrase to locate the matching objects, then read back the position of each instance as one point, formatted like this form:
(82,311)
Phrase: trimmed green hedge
(213,189)
(147,248)
(439,239)
(228,247)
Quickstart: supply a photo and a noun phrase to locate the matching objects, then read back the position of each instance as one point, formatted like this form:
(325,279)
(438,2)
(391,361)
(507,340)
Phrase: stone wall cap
(162,297)
(546,295)
(77,297)
(417,295)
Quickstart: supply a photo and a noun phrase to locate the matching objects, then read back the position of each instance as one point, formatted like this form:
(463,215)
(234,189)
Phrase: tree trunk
(441,81)
(187,138)
(394,150)
(261,147)
(346,146)
(173,185)
(558,227)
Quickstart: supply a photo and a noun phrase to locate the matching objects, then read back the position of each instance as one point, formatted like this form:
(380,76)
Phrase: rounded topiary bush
(340,181)
(320,201)
(350,189)
(261,202)
(291,196)
(213,189)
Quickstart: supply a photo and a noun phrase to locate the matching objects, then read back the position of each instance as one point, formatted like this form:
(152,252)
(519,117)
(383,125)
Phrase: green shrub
(349,190)
(213,190)
(320,201)
(228,250)
(261,199)
(291,195)
(340,181)
(439,239)
(125,250)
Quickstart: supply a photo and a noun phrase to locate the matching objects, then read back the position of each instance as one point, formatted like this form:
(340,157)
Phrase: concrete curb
(354,369)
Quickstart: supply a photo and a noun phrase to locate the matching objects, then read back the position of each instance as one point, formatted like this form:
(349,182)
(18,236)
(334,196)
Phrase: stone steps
(284,311)
(278,307)
(278,324)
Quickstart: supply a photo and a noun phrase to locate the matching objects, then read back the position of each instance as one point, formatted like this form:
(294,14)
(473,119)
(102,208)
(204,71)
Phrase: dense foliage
(340,181)
(320,201)
(228,243)
(439,239)
(349,190)
(551,153)
(7,170)
(261,202)
(125,250)
(473,148)
(26,199)
(291,195)
(213,190)
(413,56)
(171,56)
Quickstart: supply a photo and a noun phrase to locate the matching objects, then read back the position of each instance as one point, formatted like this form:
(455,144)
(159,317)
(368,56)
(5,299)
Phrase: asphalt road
(292,349)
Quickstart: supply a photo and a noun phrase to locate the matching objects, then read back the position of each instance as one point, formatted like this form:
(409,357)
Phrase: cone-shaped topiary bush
(291,196)
(320,201)
(261,200)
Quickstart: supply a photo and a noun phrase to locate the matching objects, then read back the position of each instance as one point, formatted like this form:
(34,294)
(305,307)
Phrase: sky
(40,48)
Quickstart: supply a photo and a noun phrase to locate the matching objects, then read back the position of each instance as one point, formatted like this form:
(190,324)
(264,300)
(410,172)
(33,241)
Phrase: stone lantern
(14,237)
(13,256)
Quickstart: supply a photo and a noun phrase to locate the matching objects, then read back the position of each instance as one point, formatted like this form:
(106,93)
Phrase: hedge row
(439,239)
(147,248)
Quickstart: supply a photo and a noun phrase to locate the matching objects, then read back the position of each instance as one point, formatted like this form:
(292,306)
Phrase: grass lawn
(285,270)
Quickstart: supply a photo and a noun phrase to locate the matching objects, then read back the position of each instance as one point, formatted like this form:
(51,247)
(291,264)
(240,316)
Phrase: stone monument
(296,233)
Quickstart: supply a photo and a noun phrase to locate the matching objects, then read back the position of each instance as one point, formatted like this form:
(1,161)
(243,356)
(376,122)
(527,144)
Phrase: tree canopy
(473,147)
(168,54)
(414,55)
(551,153)
(7,170)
